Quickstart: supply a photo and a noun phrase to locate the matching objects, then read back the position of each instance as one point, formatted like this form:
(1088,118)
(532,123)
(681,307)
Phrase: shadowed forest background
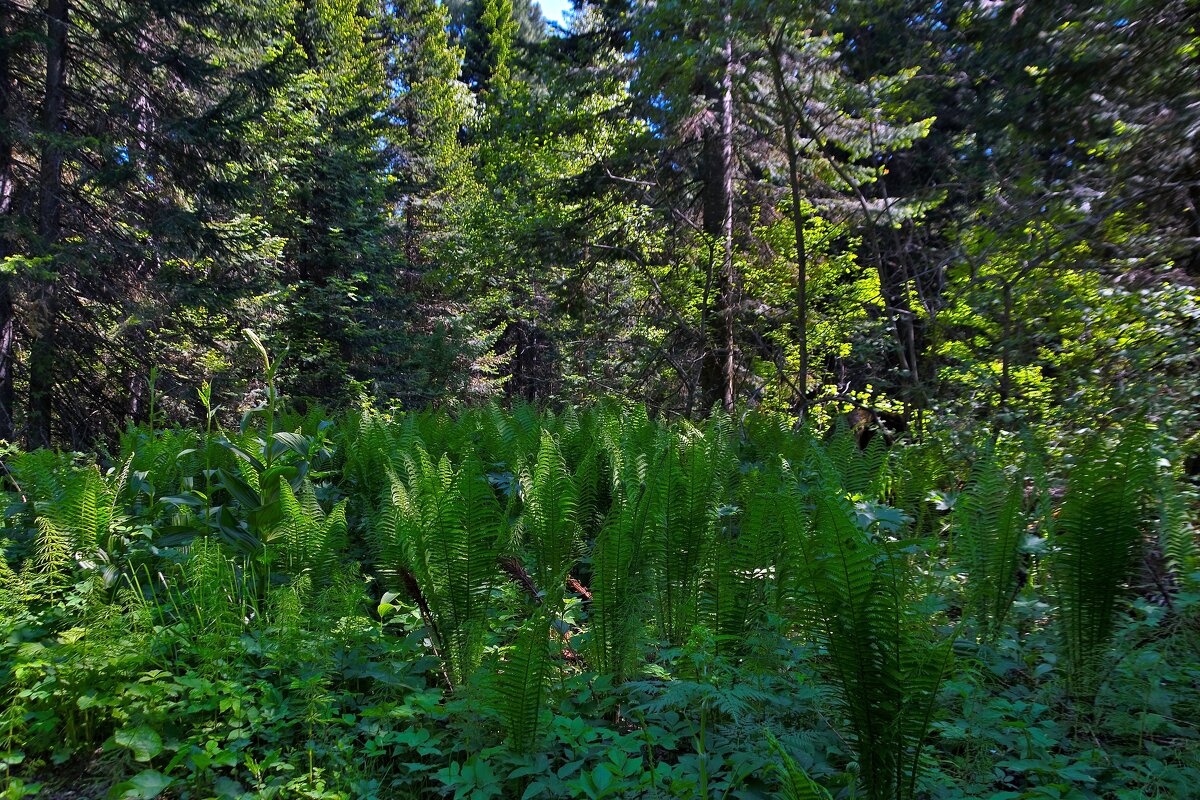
(438,204)
(687,398)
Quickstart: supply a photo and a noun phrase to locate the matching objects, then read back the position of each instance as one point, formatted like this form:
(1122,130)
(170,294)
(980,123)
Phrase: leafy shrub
(588,603)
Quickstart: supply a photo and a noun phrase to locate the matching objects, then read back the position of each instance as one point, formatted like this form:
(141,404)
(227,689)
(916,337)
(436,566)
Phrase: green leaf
(386,604)
(143,740)
(241,491)
(259,346)
(293,441)
(147,784)
(796,784)
(601,778)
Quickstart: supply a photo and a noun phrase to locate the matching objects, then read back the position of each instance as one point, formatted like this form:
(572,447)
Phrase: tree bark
(43,350)
(793,159)
(7,393)
(894,284)
(717,371)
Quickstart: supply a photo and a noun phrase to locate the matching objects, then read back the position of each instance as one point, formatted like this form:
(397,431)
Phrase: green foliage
(313,540)
(887,661)
(1097,537)
(1178,538)
(76,521)
(683,526)
(795,782)
(859,470)
(957,216)
(518,689)
(620,583)
(550,530)
(450,522)
(589,603)
(989,528)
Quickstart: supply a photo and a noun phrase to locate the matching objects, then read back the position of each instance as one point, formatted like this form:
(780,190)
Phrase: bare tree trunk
(1006,345)
(43,350)
(7,394)
(894,286)
(717,373)
(727,280)
(793,158)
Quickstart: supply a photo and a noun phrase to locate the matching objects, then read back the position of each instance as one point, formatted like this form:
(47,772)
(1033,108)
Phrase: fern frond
(1097,537)
(391,532)
(795,784)
(314,539)
(52,551)
(989,525)
(1178,534)
(884,657)
(13,591)
(550,520)
(449,524)
(858,469)
(591,497)
(619,585)
(518,689)
(911,472)
(72,524)
(743,563)
(369,445)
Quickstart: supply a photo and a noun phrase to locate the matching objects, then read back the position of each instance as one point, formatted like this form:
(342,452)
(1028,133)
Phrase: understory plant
(591,603)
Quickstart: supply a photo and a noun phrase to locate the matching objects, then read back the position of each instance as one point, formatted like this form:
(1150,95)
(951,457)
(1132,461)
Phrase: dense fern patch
(595,603)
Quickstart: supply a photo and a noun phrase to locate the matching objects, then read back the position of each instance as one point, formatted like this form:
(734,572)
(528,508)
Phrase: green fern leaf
(795,784)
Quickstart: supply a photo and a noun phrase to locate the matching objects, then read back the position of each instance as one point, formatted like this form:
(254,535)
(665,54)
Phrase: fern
(549,521)
(75,524)
(392,530)
(591,495)
(42,475)
(911,473)
(859,470)
(368,447)
(160,462)
(685,533)
(518,689)
(1097,539)
(619,582)
(989,526)
(527,427)
(450,525)
(785,512)
(498,440)
(314,539)
(12,589)
(884,658)
(795,784)
(745,563)
(1177,530)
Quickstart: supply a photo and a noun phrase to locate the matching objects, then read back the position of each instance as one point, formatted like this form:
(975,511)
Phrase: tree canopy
(955,209)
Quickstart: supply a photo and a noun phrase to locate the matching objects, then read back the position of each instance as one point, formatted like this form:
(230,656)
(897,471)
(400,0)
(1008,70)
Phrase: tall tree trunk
(717,371)
(895,287)
(793,159)
(7,395)
(727,282)
(43,350)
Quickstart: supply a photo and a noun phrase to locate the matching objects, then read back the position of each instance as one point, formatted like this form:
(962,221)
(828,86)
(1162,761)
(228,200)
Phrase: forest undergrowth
(595,603)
